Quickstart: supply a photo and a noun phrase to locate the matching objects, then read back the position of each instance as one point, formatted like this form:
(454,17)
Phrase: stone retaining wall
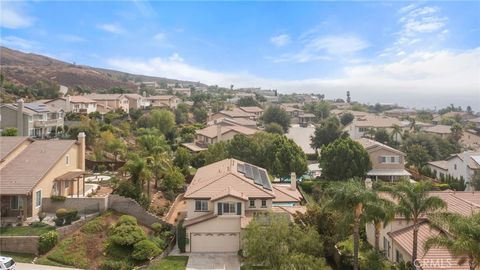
(20,244)
(131,207)
(84,205)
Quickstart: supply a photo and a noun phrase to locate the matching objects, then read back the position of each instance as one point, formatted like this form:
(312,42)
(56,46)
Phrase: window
(15,202)
(455,166)
(264,203)
(38,198)
(398,256)
(389,159)
(201,205)
(228,208)
(252,203)
(67,160)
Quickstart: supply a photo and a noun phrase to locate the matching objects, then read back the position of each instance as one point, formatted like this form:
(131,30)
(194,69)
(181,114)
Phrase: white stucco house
(225,196)
(462,165)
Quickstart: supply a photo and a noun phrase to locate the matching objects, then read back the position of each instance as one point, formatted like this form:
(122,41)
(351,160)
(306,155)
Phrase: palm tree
(462,238)
(370,133)
(396,131)
(380,212)
(413,204)
(353,196)
(139,172)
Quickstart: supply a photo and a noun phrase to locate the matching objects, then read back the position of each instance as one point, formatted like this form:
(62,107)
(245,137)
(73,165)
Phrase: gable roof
(211,131)
(251,109)
(215,178)
(283,193)
(229,192)
(376,121)
(235,112)
(96,96)
(161,97)
(23,172)
(9,144)
(439,129)
(372,146)
(442,164)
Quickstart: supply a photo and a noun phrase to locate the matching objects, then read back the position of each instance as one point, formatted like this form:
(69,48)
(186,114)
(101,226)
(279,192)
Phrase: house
(256,111)
(461,116)
(184,91)
(217,133)
(76,104)
(233,113)
(364,124)
(31,119)
(396,237)
(387,163)
(32,170)
(298,116)
(400,112)
(136,101)
(114,101)
(227,121)
(163,101)
(460,166)
(475,122)
(225,196)
(469,138)
(356,114)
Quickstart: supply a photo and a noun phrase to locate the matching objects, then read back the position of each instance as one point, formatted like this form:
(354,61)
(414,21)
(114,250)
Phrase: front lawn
(170,263)
(25,230)
(19,257)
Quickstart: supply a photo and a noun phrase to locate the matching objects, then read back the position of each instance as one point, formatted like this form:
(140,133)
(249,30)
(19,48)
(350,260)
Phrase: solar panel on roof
(265,181)
(248,171)
(240,168)
(256,176)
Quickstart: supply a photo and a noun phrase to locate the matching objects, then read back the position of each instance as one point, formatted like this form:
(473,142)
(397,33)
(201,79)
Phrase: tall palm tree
(462,238)
(139,172)
(414,204)
(370,133)
(380,212)
(396,132)
(353,196)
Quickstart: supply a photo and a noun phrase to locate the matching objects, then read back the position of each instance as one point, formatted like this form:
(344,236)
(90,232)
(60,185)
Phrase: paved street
(29,266)
(213,261)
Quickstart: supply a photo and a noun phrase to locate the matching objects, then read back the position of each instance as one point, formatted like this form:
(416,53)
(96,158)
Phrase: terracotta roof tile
(8,144)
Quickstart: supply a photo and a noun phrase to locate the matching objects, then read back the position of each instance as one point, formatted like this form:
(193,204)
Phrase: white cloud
(12,15)
(324,48)
(17,43)
(280,40)
(159,36)
(419,79)
(113,28)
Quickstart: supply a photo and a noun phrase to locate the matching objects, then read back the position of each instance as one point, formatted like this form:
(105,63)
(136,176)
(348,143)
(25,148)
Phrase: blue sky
(419,54)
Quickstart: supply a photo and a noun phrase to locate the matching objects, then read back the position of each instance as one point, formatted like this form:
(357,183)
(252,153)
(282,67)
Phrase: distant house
(396,238)
(227,121)
(136,101)
(362,125)
(387,163)
(233,113)
(76,104)
(31,119)
(225,196)
(32,170)
(298,116)
(256,111)
(163,101)
(398,113)
(114,101)
(470,139)
(184,91)
(475,121)
(460,166)
(462,116)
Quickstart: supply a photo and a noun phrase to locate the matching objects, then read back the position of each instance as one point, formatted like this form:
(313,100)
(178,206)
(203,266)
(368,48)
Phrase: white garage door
(214,242)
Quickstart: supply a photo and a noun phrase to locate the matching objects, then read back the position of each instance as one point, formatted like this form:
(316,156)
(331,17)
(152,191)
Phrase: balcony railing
(48,123)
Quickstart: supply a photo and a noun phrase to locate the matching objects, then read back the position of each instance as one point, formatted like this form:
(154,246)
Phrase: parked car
(7,263)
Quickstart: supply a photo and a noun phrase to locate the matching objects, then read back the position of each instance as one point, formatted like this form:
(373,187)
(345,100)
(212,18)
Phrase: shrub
(61,213)
(41,216)
(156,227)
(111,265)
(58,222)
(95,226)
(70,216)
(127,235)
(159,241)
(117,252)
(47,241)
(182,236)
(57,198)
(127,220)
(145,250)
(38,224)
(127,189)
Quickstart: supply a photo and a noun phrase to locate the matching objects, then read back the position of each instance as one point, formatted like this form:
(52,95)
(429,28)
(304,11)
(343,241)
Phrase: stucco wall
(391,227)
(375,155)
(131,207)
(9,120)
(83,205)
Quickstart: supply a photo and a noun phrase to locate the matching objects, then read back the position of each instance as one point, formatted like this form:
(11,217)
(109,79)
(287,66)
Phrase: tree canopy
(247,102)
(328,131)
(275,114)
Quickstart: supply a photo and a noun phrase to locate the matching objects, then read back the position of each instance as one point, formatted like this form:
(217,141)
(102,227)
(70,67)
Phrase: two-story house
(76,104)
(232,113)
(31,119)
(217,133)
(387,163)
(113,101)
(360,126)
(163,101)
(225,196)
(256,111)
(31,170)
(136,101)
(461,166)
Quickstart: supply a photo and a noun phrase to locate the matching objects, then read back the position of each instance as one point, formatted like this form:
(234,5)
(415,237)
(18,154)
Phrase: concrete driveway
(29,266)
(213,261)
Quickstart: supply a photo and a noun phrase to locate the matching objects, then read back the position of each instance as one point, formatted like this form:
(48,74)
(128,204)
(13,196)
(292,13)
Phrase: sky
(416,54)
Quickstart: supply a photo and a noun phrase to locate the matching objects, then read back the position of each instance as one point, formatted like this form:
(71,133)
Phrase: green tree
(346,118)
(162,120)
(275,114)
(382,136)
(139,172)
(321,109)
(457,132)
(181,113)
(274,128)
(10,132)
(273,242)
(463,238)
(216,152)
(413,202)
(152,144)
(200,115)
(396,134)
(417,155)
(353,197)
(344,159)
(174,180)
(182,160)
(247,102)
(328,131)
(380,213)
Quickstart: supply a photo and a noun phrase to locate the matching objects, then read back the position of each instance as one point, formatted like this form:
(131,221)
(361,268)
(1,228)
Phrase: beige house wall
(470,140)
(377,153)
(394,225)
(191,213)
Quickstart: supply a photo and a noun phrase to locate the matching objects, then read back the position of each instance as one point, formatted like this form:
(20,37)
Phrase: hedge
(47,241)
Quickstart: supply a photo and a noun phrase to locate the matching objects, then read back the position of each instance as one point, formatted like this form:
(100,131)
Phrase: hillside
(27,69)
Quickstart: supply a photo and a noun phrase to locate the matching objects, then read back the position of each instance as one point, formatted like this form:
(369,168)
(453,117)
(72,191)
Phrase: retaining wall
(131,207)
(20,244)
(84,205)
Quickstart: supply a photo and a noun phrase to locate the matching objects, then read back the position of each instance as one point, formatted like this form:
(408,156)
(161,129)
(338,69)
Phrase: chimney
(293,181)
(68,105)
(81,151)
(20,117)
(219,133)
